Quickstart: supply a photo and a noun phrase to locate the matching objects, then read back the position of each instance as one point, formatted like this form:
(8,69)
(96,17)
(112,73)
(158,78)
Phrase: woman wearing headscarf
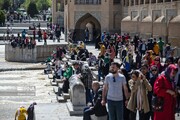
(138,101)
(164,87)
(153,76)
(177,80)
(157,63)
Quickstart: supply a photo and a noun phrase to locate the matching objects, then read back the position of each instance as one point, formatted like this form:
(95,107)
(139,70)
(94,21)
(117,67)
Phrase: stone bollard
(77,96)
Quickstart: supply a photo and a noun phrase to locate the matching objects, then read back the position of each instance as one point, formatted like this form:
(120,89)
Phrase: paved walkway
(47,108)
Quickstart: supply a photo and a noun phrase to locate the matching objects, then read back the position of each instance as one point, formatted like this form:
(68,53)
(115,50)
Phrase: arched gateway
(87,27)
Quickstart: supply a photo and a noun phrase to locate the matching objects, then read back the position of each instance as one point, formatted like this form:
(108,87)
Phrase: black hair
(135,72)
(125,73)
(144,65)
(116,63)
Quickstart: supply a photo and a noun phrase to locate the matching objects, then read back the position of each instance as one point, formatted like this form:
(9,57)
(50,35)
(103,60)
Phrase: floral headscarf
(169,71)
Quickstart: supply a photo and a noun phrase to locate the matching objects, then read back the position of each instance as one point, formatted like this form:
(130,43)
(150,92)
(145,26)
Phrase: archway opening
(87,26)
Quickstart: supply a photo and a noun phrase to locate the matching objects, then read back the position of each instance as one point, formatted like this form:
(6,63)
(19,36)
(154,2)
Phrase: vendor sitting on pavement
(81,54)
(67,74)
(92,59)
(57,73)
(86,77)
(96,107)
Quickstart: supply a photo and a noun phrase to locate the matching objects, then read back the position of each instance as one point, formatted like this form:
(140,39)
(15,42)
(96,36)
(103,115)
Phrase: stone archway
(90,22)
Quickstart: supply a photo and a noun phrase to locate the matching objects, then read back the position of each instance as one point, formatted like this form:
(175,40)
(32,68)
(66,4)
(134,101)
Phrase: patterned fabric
(86,76)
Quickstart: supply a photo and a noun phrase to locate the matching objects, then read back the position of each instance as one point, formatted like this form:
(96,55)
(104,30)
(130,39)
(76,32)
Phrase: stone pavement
(47,108)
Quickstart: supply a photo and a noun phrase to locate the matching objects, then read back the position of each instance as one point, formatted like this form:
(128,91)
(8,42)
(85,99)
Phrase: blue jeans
(88,95)
(100,74)
(87,113)
(115,110)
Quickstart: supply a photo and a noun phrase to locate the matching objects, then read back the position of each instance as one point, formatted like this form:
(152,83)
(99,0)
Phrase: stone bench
(60,96)
(50,76)
(93,117)
(77,96)
(59,81)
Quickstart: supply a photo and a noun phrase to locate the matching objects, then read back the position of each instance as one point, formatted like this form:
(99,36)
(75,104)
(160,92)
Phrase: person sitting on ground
(30,111)
(57,73)
(96,107)
(81,45)
(48,69)
(73,54)
(92,59)
(77,68)
(86,77)
(67,74)
(21,113)
(81,54)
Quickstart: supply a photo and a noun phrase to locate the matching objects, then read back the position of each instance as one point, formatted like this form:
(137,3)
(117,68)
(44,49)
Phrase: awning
(147,19)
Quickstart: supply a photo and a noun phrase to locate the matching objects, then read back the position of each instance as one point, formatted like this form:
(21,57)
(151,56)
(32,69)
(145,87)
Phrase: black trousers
(142,115)
(87,113)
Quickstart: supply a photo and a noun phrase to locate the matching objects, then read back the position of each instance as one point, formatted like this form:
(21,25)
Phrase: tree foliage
(6,4)
(2,17)
(32,9)
(41,4)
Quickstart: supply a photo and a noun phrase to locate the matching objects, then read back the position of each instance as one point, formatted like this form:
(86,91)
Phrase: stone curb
(20,69)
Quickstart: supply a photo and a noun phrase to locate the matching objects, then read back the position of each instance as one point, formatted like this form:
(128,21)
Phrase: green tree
(6,4)
(2,18)
(32,9)
(41,4)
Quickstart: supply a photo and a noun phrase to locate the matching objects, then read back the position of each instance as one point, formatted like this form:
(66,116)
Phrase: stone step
(93,117)
(26,24)
(55,89)
(72,110)
(19,30)
(59,81)
(53,83)
(66,95)
(60,85)
(50,76)
(60,99)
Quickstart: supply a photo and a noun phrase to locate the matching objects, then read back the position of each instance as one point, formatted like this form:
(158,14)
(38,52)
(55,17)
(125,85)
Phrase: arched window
(116,1)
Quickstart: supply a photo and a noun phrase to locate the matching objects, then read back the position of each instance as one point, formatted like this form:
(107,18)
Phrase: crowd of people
(146,78)
(22,41)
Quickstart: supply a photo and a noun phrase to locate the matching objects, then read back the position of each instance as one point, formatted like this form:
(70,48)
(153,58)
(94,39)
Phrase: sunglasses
(154,70)
(114,80)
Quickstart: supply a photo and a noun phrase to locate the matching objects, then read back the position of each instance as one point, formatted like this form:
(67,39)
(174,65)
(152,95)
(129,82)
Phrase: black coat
(99,110)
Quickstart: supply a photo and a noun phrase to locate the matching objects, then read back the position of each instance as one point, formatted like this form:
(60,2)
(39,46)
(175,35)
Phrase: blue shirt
(115,89)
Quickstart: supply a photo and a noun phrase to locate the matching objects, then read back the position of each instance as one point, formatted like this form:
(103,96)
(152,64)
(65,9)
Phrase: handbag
(157,103)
